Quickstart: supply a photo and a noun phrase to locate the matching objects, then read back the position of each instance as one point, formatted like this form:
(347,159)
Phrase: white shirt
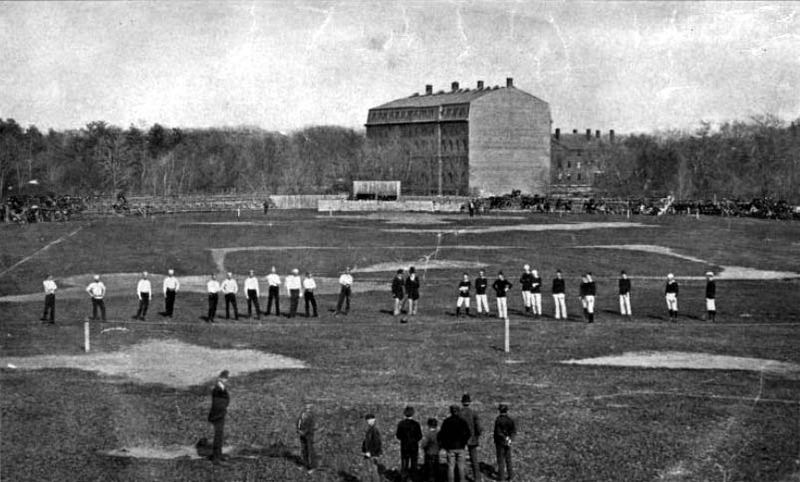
(273,279)
(143,287)
(229,286)
(213,286)
(346,279)
(251,283)
(293,282)
(309,284)
(50,287)
(171,283)
(96,289)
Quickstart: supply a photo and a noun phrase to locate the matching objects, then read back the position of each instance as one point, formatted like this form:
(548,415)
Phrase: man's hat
(466,399)
(224,374)
(97,277)
(369,416)
(503,408)
(709,273)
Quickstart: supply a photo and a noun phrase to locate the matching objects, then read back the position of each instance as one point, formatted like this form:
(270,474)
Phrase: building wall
(509,144)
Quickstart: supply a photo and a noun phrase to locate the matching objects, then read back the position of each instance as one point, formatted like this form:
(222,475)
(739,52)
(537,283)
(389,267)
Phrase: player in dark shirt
(481,283)
(711,297)
(559,297)
(624,294)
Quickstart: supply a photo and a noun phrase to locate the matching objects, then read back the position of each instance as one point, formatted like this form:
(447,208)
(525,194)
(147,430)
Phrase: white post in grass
(86,336)
(508,341)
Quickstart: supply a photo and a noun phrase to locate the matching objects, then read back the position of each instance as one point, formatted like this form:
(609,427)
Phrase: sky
(284,65)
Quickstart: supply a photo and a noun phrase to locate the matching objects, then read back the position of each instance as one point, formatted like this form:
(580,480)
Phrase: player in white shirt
(144,290)
(274,291)
(293,285)
(97,291)
(213,297)
(252,292)
(50,288)
(171,287)
(309,285)
(346,283)
(230,288)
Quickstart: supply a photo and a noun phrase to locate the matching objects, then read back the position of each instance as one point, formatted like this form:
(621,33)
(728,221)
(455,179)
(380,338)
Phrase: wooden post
(508,341)
(86,336)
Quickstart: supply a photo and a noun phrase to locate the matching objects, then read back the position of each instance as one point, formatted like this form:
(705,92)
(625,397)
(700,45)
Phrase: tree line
(741,159)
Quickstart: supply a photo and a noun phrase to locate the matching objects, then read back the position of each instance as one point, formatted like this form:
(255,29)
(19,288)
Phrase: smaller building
(576,159)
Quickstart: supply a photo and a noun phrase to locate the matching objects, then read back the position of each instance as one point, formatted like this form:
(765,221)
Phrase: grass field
(576,422)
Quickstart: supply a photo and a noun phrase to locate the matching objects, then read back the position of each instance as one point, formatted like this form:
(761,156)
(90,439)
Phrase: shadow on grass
(488,471)
(277,450)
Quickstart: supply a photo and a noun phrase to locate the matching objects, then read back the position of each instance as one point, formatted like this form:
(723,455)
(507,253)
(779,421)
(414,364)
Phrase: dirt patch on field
(728,272)
(524,227)
(162,453)
(691,361)
(417,218)
(165,362)
(421,264)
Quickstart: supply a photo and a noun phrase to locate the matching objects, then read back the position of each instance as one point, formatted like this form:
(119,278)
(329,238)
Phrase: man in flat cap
(504,432)
(372,448)
(711,295)
(219,408)
(471,417)
(97,291)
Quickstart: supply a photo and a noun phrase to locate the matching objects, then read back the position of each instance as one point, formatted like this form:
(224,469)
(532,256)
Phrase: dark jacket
(372,442)
(412,287)
(588,288)
(306,424)
(454,433)
(711,290)
(558,286)
(500,287)
(466,285)
(409,433)
(474,424)
(480,285)
(504,430)
(526,281)
(219,403)
(672,287)
(536,286)
(624,286)
(397,287)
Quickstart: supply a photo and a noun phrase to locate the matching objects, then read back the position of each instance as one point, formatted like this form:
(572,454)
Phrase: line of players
(229,288)
(531,286)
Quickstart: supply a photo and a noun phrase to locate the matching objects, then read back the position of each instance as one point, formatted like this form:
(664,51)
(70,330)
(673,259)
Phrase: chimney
(480,85)
(428,89)
(454,86)
(588,134)
(611,135)
(597,134)
(509,82)
(558,132)
(574,131)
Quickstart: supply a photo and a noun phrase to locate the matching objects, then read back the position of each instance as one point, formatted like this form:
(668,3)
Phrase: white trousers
(561,306)
(711,305)
(672,301)
(482,301)
(526,298)
(625,304)
(502,308)
(462,300)
(536,302)
(588,303)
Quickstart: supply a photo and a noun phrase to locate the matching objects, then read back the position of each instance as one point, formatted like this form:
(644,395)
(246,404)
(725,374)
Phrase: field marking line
(757,399)
(62,238)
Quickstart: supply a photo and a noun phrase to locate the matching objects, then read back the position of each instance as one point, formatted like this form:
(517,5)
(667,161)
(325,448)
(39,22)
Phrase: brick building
(482,141)
(577,158)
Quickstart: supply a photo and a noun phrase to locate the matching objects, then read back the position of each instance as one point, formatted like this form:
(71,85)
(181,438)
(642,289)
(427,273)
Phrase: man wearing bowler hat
(219,408)
(475,430)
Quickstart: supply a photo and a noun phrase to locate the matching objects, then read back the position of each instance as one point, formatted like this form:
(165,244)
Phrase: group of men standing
(405,289)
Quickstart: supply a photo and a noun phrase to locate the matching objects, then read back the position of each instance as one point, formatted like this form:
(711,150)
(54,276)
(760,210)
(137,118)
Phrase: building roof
(460,96)
(577,141)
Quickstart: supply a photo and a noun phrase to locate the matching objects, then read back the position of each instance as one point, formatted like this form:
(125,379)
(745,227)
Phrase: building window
(579,176)
(569,165)
(578,165)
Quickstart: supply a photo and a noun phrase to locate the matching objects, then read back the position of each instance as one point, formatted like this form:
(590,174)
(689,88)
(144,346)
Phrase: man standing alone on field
(559,296)
(50,288)
(588,291)
(398,291)
(501,286)
(274,291)
(229,288)
(309,285)
(220,398)
(475,430)
(305,429)
(481,283)
(213,297)
(504,432)
(97,290)
(412,291)
(171,287)
(293,286)
(671,295)
(144,290)
(711,295)
(624,295)
(252,292)
(346,283)
(409,433)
